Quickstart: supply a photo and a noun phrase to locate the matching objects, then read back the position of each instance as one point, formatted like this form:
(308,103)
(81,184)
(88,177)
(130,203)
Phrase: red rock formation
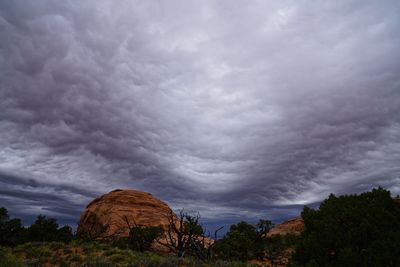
(106,217)
(293,226)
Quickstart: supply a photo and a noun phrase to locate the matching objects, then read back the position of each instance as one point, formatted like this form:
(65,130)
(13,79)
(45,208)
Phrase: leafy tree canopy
(244,241)
(351,230)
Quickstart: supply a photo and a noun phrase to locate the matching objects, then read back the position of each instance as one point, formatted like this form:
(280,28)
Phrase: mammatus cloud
(233,109)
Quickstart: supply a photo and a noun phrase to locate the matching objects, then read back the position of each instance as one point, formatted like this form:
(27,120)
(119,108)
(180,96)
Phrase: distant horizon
(209,225)
(239,110)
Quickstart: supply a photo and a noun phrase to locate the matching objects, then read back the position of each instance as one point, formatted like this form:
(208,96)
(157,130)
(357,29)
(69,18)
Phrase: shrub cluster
(141,238)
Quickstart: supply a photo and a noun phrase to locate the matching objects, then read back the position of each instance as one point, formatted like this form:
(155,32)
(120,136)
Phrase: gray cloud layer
(234,109)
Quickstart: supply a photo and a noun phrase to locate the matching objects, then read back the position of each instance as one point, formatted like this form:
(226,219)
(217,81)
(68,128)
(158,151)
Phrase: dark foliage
(43,229)
(65,234)
(12,232)
(142,237)
(244,241)
(351,230)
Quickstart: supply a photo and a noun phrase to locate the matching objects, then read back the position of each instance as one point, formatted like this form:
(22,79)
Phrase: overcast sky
(237,109)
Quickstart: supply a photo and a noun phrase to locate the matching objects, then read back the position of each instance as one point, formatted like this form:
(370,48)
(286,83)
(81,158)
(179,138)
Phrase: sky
(237,109)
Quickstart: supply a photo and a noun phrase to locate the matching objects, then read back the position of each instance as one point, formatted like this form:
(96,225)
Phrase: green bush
(112,251)
(117,258)
(64,234)
(141,237)
(244,241)
(31,249)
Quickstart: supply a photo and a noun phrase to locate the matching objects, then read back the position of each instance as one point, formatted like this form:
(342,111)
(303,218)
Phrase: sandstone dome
(108,216)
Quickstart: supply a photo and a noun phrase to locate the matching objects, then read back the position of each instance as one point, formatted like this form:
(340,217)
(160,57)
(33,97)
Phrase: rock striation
(109,216)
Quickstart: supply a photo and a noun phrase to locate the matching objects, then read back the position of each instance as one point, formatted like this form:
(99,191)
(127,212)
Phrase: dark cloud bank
(238,109)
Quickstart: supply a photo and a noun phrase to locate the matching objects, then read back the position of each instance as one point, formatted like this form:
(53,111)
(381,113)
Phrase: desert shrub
(113,251)
(76,257)
(141,238)
(274,246)
(351,230)
(291,240)
(98,262)
(224,263)
(65,234)
(88,246)
(56,245)
(67,251)
(8,259)
(31,249)
(63,263)
(117,258)
(44,251)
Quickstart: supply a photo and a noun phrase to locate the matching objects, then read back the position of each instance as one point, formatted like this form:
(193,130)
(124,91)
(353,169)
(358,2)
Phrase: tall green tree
(351,230)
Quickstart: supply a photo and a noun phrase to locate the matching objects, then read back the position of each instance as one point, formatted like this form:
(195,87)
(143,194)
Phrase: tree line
(12,231)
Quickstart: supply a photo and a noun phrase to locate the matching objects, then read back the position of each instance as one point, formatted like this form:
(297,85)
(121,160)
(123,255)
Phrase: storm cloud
(237,109)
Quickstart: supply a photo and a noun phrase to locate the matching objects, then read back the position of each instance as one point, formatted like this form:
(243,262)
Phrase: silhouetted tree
(4,217)
(43,229)
(184,233)
(11,230)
